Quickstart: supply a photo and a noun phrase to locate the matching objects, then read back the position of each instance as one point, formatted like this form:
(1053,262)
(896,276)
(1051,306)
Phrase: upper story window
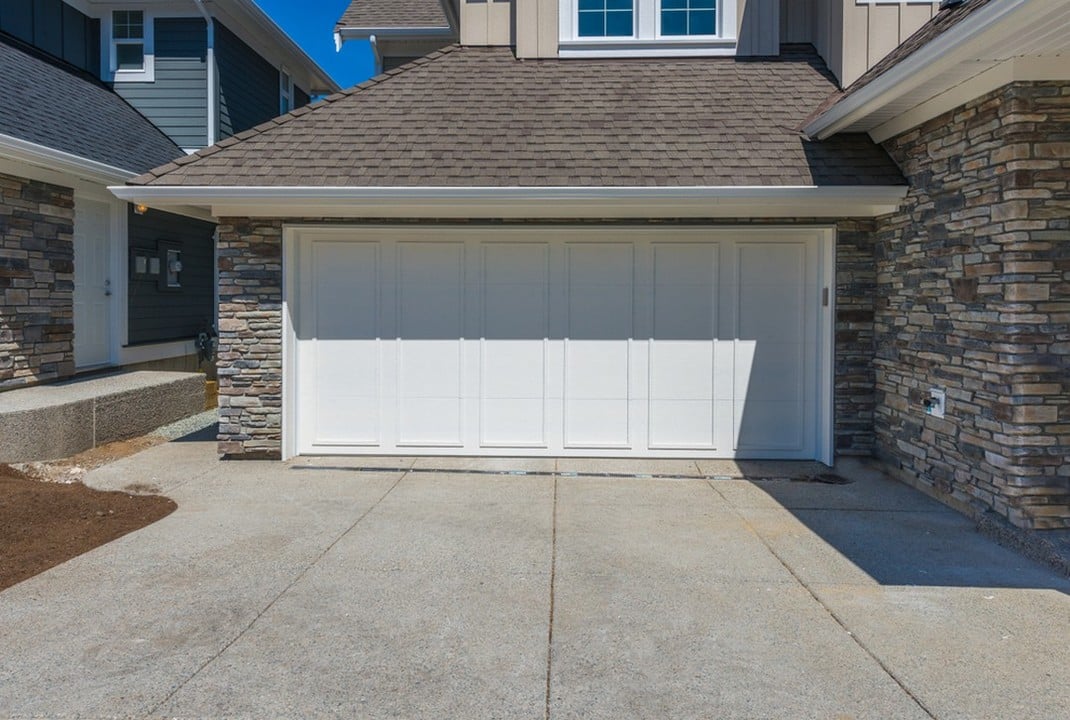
(128,36)
(286,92)
(647,28)
(688,17)
(605,18)
(130,57)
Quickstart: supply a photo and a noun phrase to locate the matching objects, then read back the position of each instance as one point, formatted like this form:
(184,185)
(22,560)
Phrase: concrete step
(48,422)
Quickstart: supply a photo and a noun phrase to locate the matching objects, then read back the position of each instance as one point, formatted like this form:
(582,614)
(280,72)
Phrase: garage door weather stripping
(566,341)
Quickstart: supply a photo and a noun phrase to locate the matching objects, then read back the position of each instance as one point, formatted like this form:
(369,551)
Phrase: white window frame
(110,59)
(286,91)
(648,40)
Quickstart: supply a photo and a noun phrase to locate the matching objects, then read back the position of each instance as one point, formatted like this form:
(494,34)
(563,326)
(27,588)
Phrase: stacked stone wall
(973,297)
(250,330)
(36,282)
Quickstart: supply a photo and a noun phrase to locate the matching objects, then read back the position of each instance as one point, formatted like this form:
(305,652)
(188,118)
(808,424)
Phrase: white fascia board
(525,202)
(296,56)
(52,159)
(927,62)
(406,33)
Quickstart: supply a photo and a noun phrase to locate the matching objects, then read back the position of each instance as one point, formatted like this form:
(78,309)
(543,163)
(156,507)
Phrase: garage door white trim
(469,243)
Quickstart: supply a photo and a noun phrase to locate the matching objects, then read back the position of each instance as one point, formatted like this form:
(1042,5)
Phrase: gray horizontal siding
(177,102)
(156,315)
(248,85)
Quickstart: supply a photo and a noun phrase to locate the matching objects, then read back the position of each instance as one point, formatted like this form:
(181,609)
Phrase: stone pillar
(36,282)
(250,338)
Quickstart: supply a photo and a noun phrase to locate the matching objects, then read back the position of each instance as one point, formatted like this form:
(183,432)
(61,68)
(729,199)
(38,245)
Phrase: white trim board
(1024,69)
(525,202)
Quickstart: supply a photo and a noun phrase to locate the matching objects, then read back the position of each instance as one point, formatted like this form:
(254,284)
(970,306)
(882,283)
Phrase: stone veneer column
(974,297)
(36,282)
(250,338)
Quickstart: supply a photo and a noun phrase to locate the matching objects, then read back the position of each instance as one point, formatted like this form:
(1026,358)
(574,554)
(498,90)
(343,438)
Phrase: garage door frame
(295,234)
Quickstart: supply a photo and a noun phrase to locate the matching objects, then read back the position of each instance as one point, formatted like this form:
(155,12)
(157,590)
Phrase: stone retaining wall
(36,282)
(250,332)
(973,296)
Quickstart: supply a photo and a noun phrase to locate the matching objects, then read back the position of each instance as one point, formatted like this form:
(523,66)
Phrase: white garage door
(670,343)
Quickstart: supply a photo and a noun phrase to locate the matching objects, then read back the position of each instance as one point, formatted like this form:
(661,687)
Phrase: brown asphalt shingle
(394,14)
(469,117)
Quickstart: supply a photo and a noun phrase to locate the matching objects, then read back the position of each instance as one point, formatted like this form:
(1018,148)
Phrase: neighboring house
(95,94)
(656,229)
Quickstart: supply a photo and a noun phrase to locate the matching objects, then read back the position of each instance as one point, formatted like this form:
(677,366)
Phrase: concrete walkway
(324,589)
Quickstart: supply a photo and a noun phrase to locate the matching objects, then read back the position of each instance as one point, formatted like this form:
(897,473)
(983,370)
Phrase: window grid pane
(128,25)
(606,18)
(688,17)
(130,56)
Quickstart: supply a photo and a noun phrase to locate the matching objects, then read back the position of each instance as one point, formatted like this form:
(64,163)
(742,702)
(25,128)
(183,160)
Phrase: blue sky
(311,24)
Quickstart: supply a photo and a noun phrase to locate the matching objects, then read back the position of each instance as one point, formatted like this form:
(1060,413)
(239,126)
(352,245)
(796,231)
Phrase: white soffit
(1029,41)
(525,203)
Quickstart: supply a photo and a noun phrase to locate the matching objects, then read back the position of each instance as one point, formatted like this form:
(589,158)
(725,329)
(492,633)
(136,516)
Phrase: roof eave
(325,81)
(406,33)
(526,202)
(61,161)
(918,68)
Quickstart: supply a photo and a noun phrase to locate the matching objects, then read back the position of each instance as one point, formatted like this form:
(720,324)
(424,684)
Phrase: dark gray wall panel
(156,315)
(301,98)
(248,85)
(177,102)
(16,18)
(48,26)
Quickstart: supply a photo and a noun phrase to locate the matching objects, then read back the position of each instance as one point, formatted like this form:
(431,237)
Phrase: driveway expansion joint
(831,613)
(550,626)
(156,707)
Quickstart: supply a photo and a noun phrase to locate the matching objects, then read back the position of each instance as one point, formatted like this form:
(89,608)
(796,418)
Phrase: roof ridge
(263,127)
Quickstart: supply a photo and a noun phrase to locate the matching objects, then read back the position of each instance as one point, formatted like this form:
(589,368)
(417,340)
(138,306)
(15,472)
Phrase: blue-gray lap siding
(56,28)
(156,314)
(177,102)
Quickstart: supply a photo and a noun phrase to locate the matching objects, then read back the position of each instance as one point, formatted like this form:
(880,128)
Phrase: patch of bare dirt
(47,516)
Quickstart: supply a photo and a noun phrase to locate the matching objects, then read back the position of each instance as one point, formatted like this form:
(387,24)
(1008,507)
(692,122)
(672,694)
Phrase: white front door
(93,298)
(669,343)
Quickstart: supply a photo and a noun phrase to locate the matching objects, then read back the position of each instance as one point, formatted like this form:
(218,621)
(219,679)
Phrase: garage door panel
(596,423)
(764,426)
(345,352)
(682,424)
(513,422)
(771,284)
(430,422)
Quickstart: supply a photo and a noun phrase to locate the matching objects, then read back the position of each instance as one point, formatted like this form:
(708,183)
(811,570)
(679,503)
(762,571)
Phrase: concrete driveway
(327,589)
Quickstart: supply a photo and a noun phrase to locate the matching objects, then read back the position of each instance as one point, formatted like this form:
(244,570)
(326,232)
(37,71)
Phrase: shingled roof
(478,117)
(51,104)
(382,14)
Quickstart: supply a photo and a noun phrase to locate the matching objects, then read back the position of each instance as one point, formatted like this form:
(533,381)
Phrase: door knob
(107,288)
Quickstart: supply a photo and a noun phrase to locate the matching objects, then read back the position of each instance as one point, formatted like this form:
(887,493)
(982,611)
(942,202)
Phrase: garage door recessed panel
(515,327)
(771,349)
(430,299)
(599,316)
(345,350)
